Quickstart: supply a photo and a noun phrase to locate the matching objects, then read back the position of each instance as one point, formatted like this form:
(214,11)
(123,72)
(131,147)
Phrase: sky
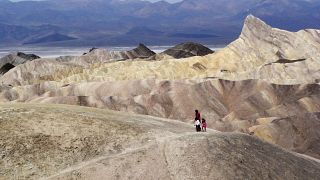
(172,1)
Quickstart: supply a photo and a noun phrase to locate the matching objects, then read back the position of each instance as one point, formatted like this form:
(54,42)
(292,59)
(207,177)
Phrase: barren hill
(72,142)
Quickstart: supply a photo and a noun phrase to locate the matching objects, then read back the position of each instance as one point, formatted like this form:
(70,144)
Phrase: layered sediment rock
(298,133)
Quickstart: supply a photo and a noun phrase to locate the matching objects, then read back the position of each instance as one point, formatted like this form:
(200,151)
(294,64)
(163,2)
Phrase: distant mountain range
(115,22)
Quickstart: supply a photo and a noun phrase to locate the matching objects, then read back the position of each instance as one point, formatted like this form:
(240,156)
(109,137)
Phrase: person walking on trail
(204,125)
(197,121)
(198,125)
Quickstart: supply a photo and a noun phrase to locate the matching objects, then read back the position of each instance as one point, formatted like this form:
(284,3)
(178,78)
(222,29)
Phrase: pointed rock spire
(255,26)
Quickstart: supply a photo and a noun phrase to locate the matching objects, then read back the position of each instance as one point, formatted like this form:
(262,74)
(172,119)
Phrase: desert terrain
(72,142)
(129,114)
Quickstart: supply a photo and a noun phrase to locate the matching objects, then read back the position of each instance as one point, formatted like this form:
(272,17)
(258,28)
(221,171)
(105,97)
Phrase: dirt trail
(91,162)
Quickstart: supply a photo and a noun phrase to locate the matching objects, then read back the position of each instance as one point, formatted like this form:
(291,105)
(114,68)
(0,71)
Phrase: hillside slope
(72,142)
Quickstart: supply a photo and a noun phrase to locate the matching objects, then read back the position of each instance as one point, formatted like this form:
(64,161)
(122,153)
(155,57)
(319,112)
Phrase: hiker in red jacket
(197,115)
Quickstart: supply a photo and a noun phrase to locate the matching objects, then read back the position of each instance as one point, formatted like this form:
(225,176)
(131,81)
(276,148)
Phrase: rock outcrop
(259,49)
(70,142)
(12,60)
(188,49)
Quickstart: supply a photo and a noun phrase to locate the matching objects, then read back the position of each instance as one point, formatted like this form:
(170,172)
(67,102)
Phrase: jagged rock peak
(142,51)
(188,49)
(254,25)
(142,46)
